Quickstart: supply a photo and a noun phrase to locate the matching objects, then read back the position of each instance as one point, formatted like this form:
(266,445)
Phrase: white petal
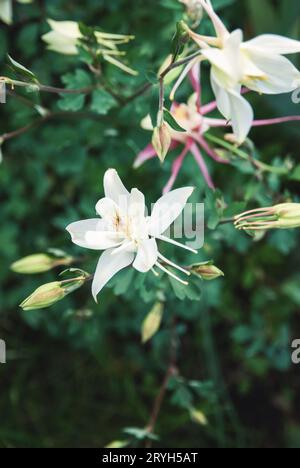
(229,58)
(219,26)
(102,240)
(6,13)
(136,208)
(107,267)
(65,28)
(146,257)
(241,115)
(114,188)
(272,43)
(220,94)
(280,74)
(167,209)
(108,209)
(234,107)
(79,229)
(59,43)
(146,123)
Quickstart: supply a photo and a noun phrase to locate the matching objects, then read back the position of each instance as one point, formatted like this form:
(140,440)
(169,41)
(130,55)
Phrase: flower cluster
(193,117)
(258,64)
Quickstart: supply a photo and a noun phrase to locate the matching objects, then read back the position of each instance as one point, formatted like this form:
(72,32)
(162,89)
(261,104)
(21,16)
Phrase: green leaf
(21,70)
(140,434)
(168,117)
(102,102)
(182,397)
(179,40)
(181,291)
(295,175)
(220,4)
(74,102)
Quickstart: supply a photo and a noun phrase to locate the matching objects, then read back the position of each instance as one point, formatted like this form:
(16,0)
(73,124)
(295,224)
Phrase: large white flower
(126,234)
(258,64)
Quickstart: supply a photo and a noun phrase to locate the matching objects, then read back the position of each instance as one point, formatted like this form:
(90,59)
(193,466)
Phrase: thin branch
(86,90)
(48,89)
(171,371)
(44,118)
(179,63)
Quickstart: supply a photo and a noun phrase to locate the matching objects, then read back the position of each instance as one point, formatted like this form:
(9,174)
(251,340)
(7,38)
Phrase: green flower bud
(38,263)
(282,216)
(50,293)
(161,140)
(152,322)
(206,270)
(198,417)
(44,296)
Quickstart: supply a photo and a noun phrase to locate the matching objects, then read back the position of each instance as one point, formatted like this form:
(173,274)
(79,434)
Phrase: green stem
(243,155)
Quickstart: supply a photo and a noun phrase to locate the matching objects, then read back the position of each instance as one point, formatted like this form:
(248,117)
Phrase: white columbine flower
(125,234)
(258,64)
(65,36)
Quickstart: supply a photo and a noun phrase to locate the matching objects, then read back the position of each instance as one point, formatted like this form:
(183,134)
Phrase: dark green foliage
(77,373)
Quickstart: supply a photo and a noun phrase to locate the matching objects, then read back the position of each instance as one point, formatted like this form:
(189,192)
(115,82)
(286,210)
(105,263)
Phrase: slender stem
(86,90)
(48,89)
(171,370)
(179,63)
(242,154)
(41,120)
(160,115)
(140,92)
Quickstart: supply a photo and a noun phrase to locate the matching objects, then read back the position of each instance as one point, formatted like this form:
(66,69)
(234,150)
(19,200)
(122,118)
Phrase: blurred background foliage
(77,374)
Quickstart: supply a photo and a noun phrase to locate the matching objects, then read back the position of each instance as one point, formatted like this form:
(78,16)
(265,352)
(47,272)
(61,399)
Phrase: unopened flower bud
(198,417)
(282,216)
(44,296)
(161,140)
(50,293)
(38,263)
(152,322)
(206,270)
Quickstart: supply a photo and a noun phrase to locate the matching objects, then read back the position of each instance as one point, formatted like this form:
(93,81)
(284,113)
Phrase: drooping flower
(65,36)
(258,64)
(125,234)
(193,118)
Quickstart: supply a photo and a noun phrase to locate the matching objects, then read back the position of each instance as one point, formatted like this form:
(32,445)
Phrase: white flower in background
(258,64)
(126,235)
(6,11)
(65,36)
